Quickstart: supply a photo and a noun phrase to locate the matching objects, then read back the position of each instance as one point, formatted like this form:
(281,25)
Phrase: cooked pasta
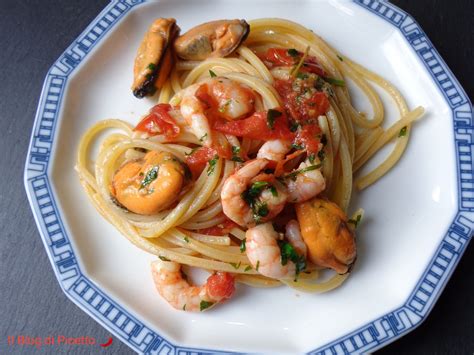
(197,218)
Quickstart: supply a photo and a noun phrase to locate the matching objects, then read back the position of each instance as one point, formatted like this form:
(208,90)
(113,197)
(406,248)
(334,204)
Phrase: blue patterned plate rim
(139,336)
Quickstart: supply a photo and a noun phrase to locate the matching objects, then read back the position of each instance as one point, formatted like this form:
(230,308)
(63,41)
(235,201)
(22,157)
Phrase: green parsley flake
(334,81)
(203,138)
(212,74)
(212,164)
(151,66)
(295,173)
(164,258)
(258,265)
(205,305)
(272,115)
(403,132)
(243,247)
(248,268)
(293,52)
(236,266)
(186,239)
(274,191)
(150,176)
(184,307)
(339,57)
(356,221)
(288,253)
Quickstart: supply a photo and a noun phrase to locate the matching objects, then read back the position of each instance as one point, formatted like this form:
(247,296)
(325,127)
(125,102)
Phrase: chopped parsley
(274,191)
(258,265)
(150,176)
(203,138)
(311,158)
(151,66)
(260,209)
(302,76)
(355,221)
(248,268)
(297,146)
(294,126)
(192,151)
(403,132)
(184,307)
(205,305)
(243,247)
(223,107)
(236,266)
(334,81)
(235,154)
(339,57)
(164,258)
(295,173)
(288,252)
(297,67)
(212,164)
(324,139)
(272,115)
(293,52)
(212,74)
(186,239)
(321,155)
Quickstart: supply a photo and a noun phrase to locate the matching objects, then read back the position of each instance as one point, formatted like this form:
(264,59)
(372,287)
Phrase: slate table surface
(32,36)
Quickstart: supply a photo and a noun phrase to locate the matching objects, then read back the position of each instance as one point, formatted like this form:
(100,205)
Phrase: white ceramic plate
(419,217)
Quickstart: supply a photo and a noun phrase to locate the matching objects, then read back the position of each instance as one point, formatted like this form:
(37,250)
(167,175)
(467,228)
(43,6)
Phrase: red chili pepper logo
(108,343)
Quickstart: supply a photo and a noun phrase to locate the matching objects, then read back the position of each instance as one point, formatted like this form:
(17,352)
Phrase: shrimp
(179,294)
(305,182)
(246,201)
(149,185)
(231,99)
(265,255)
(275,150)
(293,234)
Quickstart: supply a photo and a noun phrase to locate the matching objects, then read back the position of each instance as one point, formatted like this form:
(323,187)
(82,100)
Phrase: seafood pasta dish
(245,163)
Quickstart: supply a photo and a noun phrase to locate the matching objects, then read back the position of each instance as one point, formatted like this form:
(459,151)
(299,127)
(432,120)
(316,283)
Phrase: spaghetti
(193,229)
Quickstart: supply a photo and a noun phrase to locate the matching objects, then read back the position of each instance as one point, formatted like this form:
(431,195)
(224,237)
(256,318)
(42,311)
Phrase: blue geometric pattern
(134,332)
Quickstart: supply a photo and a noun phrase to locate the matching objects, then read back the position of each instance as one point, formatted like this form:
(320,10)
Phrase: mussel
(212,39)
(154,58)
(330,241)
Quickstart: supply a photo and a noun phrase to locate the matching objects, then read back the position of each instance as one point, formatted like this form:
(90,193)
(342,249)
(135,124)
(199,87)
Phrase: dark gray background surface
(32,36)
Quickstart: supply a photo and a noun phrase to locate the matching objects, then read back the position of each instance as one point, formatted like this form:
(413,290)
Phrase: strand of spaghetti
(311,287)
(176,236)
(229,168)
(389,134)
(257,281)
(208,213)
(217,240)
(255,61)
(343,193)
(205,224)
(204,194)
(328,161)
(175,83)
(165,93)
(88,137)
(217,65)
(187,65)
(367,141)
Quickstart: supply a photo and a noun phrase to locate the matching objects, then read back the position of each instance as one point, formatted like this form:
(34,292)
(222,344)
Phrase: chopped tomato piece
(159,121)
(289,57)
(308,136)
(300,107)
(280,56)
(257,127)
(220,286)
(221,229)
(198,159)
